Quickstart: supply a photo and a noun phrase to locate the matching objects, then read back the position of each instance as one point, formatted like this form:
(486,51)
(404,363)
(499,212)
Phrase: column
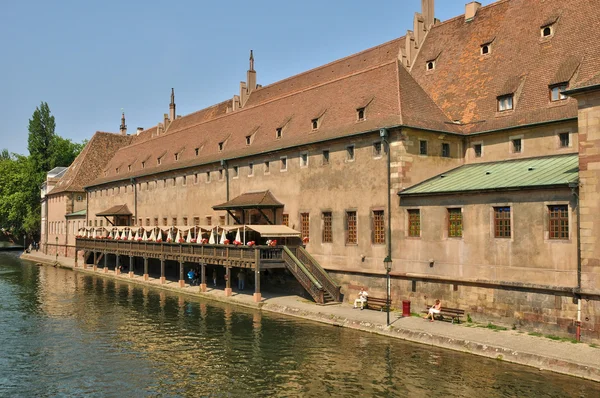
(95,266)
(85,258)
(76,257)
(131,273)
(181,277)
(145,268)
(105,262)
(202,277)
(117,270)
(162,270)
(257,295)
(227,281)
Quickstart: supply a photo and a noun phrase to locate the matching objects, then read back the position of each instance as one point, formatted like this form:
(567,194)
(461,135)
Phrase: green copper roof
(547,171)
(77,213)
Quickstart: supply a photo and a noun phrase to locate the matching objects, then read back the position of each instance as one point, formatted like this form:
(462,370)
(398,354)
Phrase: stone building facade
(513,81)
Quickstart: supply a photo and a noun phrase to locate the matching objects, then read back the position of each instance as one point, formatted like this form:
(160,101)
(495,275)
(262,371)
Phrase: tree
(63,152)
(41,136)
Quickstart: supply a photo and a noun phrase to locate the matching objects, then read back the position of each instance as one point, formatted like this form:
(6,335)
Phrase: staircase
(311,276)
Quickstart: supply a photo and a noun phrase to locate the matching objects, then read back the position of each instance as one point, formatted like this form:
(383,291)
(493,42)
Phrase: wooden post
(181,277)
(145,268)
(257,295)
(105,262)
(95,267)
(117,270)
(227,281)
(75,256)
(131,273)
(162,270)
(202,277)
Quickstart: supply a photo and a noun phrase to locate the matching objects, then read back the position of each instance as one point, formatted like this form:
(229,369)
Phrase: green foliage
(41,136)
(494,327)
(469,320)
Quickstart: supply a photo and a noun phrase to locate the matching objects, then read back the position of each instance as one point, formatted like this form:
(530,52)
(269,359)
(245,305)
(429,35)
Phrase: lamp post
(56,248)
(24,242)
(387,262)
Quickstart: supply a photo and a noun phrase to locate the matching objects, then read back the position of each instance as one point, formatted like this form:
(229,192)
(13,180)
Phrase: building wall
(58,225)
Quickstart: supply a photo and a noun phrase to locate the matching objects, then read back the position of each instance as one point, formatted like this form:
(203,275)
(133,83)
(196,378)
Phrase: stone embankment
(580,360)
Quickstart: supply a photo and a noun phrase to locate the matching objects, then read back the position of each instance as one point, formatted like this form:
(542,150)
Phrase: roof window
(176,157)
(221,145)
(197,151)
(159,160)
(556,92)
(547,31)
(315,123)
(117,170)
(431,64)
(129,168)
(278,132)
(360,114)
(505,103)
(486,48)
(248,139)
(143,164)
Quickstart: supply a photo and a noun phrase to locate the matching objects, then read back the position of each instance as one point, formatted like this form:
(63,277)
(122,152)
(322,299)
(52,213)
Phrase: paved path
(579,360)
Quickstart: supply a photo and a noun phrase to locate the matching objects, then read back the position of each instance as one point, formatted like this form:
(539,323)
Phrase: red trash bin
(405,308)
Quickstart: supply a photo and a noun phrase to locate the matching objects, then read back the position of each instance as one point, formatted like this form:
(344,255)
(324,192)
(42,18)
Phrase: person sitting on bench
(433,310)
(362,298)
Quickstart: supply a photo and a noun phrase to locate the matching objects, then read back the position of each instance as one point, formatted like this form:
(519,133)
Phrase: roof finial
(251,60)
(172,96)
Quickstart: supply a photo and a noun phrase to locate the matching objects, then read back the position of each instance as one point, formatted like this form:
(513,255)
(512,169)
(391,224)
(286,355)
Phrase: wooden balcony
(225,255)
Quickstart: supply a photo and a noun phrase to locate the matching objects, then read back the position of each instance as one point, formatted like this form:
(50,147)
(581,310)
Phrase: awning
(118,210)
(251,200)
(274,231)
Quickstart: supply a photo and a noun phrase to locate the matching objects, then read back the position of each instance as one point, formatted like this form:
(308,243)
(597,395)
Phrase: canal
(63,333)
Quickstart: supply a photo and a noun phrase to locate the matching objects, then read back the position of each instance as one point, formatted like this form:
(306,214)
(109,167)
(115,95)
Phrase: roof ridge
(447,21)
(519,159)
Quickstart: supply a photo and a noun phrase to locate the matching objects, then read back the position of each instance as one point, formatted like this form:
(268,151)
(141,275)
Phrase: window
(455,227)
(304,159)
(478,149)
(143,165)
(196,151)
(79,198)
(208,220)
(174,221)
(117,170)
(315,123)
(564,140)
(165,222)
(101,222)
(185,221)
(377,149)
(196,221)
(414,223)
(505,103)
(486,49)
(502,222)
(350,153)
(221,146)
(304,225)
(278,133)
(236,171)
(326,157)
(129,168)
(351,230)
(422,147)
(556,92)
(445,150)
(559,222)
(156,221)
(267,167)
(360,114)
(378,227)
(286,220)
(283,163)
(221,220)
(174,181)
(431,65)
(516,145)
(327,232)
(184,181)
(147,222)
(250,169)
(546,31)
(176,157)
(196,178)
(208,176)
(159,161)
(248,139)
(139,222)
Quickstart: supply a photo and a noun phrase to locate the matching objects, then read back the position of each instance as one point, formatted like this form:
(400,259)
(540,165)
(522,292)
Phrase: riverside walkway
(581,360)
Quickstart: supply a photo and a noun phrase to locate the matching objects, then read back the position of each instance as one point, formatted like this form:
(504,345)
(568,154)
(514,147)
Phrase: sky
(90,59)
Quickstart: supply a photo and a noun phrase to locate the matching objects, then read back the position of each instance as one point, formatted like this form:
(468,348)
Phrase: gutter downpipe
(573,187)
(134,200)
(383,133)
(226,167)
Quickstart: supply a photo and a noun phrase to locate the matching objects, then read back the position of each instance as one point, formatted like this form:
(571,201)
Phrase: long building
(466,152)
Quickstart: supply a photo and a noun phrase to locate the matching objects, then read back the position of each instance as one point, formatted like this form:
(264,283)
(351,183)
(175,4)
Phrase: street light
(56,249)
(387,262)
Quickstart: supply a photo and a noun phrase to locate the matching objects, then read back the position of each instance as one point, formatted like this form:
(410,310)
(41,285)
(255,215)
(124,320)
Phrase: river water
(63,333)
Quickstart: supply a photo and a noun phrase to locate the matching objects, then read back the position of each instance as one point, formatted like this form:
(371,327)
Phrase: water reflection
(64,333)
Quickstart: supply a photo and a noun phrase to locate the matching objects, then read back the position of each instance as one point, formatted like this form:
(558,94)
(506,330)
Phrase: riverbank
(580,360)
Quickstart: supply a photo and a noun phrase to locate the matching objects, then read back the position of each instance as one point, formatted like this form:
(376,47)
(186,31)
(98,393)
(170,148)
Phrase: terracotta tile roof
(262,199)
(200,116)
(92,159)
(466,84)
(117,210)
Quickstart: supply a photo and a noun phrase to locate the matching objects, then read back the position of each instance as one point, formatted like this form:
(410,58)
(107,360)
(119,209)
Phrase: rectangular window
(303,159)
(350,152)
(556,92)
(174,221)
(304,225)
(564,140)
(236,171)
(516,145)
(378,227)
(184,181)
(248,139)
(208,176)
(221,220)
(283,164)
(455,226)
(360,114)
(208,220)
(250,169)
(351,228)
(377,149)
(422,147)
(414,223)
(185,221)
(478,149)
(505,103)
(315,124)
(165,222)
(156,221)
(267,167)
(196,221)
(286,220)
(326,157)
(502,222)
(196,178)
(147,222)
(278,133)
(327,227)
(139,222)
(445,150)
(559,221)
(196,151)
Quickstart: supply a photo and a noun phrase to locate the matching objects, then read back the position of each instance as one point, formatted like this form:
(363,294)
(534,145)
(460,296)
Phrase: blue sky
(90,59)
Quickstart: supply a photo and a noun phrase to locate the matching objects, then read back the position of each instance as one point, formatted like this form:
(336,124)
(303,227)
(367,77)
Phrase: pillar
(95,266)
(227,281)
(145,268)
(162,270)
(85,258)
(257,295)
(117,270)
(76,257)
(202,277)
(131,273)
(181,277)
(105,263)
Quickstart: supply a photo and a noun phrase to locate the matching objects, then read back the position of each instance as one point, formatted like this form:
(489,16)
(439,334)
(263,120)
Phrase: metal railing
(312,286)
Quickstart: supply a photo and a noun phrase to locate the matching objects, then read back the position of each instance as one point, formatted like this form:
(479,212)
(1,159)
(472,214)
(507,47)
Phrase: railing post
(257,295)
(145,268)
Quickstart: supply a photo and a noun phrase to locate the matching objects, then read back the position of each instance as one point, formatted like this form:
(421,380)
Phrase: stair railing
(306,279)
(319,273)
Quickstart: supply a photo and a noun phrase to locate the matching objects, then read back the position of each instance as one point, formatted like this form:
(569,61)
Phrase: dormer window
(315,123)
(278,133)
(547,30)
(486,49)
(117,170)
(159,161)
(221,146)
(196,151)
(556,92)
(505,103)
(176,157)
(143,164)
(248,139)
(129,168)
(360,114)
(431,65)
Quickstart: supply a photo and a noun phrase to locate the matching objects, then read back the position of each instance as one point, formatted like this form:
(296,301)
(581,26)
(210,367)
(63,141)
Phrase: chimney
(247,87)
(471,9)
(123,127)
(172,106)
(139,130)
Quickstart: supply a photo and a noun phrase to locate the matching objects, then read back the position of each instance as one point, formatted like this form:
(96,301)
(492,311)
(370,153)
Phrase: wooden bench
(375,303)
(446,312)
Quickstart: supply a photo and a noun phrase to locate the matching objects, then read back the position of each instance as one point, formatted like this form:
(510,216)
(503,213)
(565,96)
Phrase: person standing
(241,279)
(215,277)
